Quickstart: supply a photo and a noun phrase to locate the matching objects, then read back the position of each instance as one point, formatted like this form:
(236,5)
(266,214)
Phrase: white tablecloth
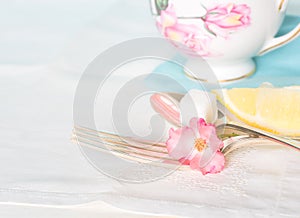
(45,46)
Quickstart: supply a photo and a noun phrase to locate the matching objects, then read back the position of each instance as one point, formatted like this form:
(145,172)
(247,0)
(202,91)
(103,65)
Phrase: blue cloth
(280,67)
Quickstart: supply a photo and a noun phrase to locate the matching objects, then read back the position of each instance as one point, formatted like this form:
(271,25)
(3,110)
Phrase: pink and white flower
(197,145)
(190,35)
(223,19)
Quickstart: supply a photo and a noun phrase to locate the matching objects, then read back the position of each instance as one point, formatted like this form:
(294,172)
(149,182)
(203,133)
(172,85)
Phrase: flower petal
(205,129)
(180,143)
(168,17)
(216,164)
(227,18)
(194,125)
(208,132)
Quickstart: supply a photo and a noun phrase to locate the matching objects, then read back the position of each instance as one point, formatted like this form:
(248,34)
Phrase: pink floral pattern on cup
(189,35)
(219,21)
(223,19)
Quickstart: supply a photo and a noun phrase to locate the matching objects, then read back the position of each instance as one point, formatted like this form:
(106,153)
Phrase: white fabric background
(45,45)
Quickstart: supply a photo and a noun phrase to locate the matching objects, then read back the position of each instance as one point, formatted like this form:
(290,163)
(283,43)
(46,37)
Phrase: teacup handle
(282,40)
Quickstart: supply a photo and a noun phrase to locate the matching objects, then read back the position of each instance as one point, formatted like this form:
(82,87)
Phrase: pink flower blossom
(168,17)
(197,145)
(223,19)
(189,35)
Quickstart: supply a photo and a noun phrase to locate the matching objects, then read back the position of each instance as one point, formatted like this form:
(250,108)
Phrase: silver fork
(142,150)
(156,153)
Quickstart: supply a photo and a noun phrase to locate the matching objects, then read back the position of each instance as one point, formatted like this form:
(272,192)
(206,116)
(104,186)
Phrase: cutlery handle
(254,132)
(167,107)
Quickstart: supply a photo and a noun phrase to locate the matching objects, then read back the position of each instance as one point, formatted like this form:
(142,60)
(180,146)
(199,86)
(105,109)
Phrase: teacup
(226,33)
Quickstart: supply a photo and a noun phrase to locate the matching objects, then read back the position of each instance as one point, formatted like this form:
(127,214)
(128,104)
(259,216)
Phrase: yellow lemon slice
(276,110)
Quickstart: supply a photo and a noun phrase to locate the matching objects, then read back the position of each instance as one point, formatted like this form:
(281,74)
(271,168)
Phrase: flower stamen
(200,144)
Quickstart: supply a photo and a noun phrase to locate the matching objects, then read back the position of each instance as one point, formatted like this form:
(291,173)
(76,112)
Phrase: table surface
(45,47)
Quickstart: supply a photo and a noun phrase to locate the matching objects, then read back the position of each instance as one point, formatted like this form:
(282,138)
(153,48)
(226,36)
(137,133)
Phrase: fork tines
(138,150)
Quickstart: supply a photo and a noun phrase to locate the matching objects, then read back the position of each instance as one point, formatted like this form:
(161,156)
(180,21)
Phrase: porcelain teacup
(226,33)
